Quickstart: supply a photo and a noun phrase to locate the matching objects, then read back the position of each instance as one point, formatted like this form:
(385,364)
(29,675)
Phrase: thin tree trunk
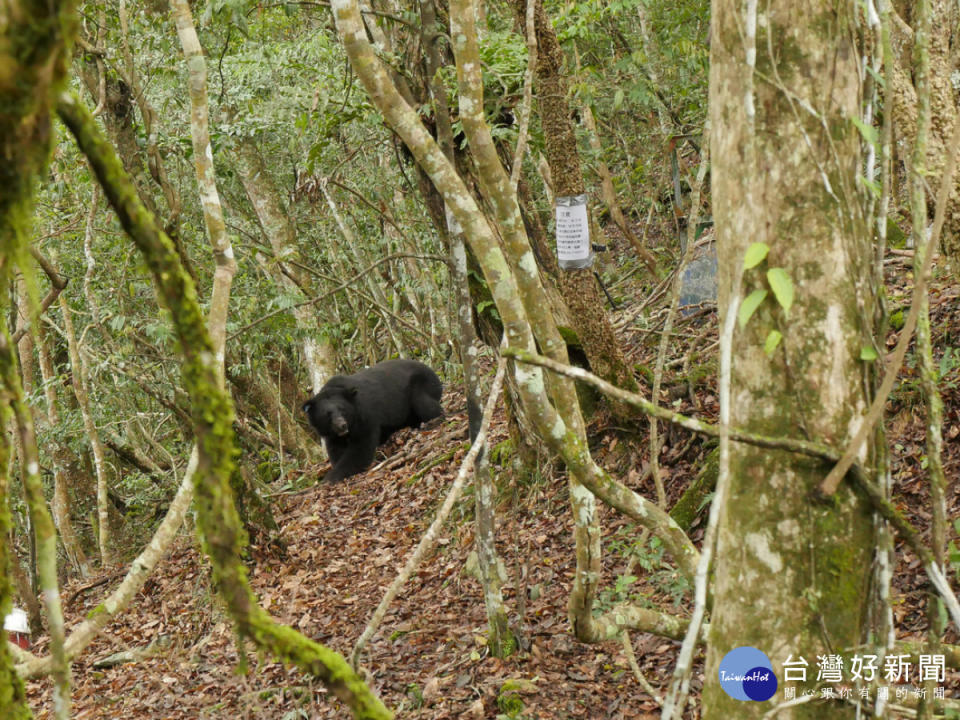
(155,163)
(46,536)
(218,522)
(258,391)
(64,461)
(80,376)
(501,641)
(59,503)
(275,223)
(904,99)
(924,344)
(25,589)
(226,266)
(13,696)
(609,193)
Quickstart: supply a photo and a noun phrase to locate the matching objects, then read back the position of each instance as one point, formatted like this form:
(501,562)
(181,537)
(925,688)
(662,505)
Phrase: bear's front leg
(354,458)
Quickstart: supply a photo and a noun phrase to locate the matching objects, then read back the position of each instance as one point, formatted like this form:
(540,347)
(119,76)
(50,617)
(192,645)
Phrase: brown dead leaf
(476,709)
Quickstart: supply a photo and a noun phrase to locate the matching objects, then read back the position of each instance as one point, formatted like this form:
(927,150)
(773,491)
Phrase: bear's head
(333,412)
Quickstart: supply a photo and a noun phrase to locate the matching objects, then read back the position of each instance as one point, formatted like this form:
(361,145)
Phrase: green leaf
(868,354)
(782,287)
(868,132)
(877,77)
(618,98)
(871,185)
(755,255)
(750,305)
(773,339)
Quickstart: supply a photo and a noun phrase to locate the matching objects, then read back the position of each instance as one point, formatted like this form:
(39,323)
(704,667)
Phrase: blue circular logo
(747,674)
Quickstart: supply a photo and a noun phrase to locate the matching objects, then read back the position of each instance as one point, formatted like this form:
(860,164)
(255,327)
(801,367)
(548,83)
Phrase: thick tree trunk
(34,57)
(791,576)
(903,98)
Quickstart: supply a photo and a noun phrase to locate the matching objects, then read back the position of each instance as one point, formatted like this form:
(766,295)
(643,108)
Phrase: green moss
(842,561)
(896,238)
(221,532)
(502,452)
(687,508)
(897,320)
(503,643)
(645,372)
(98,610)
(510,703)
(569,335)
(12,692)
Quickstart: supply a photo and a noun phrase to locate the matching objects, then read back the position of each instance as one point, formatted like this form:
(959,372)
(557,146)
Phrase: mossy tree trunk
(65,463)
(579,287)
(791,576)
(13,696)
(35,40)
(12,396)
(904,98)
(936,614)
(33,345)
(212,417)
(80,380)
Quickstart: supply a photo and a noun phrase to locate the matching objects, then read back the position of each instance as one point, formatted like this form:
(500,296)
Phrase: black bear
(356,413)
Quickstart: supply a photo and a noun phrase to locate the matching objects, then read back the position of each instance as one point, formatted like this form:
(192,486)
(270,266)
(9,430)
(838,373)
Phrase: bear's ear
(351,392)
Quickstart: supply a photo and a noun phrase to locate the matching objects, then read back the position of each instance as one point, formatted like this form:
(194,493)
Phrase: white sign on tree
(574,250)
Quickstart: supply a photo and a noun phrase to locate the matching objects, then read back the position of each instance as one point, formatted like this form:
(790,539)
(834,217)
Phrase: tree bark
(13,696)
(63,462)
(275,223)
(12,397)
(80,376)
(791,575)
(34,57)
(579,287)
(500,641)
(903,98)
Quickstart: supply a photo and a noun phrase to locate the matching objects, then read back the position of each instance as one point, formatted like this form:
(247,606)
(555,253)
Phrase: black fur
(356,413)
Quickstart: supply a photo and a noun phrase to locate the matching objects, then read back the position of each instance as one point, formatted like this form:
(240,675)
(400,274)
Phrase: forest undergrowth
(340,545)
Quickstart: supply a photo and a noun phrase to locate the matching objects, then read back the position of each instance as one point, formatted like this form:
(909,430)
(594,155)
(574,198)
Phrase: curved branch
(802,447)
(213,414)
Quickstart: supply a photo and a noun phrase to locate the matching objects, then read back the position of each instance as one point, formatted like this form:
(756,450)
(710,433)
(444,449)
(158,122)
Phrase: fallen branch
(96,583)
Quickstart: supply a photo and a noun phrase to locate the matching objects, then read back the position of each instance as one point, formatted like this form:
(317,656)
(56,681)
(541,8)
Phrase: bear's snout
(340,426)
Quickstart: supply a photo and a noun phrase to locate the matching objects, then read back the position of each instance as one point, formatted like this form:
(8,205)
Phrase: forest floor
(339,546)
